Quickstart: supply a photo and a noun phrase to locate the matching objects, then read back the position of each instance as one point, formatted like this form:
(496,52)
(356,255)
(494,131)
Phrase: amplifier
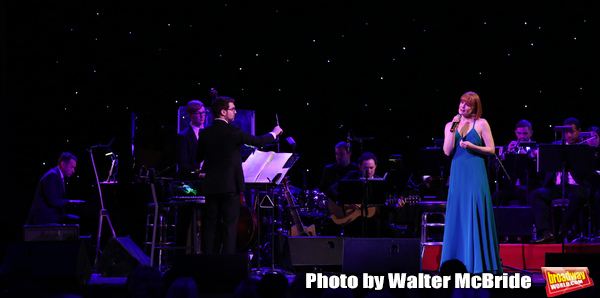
(34,233)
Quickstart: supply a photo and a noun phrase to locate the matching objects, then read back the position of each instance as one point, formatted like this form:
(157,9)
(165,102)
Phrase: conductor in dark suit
(219,146)
(49,200)
(188,142)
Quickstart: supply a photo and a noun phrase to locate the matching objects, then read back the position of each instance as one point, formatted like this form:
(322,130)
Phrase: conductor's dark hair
(570,121)
(344,145)
(66,157)
(220,103)
(367,156)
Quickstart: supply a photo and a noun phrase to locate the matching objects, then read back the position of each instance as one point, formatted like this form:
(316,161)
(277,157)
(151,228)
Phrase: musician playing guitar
(350,216)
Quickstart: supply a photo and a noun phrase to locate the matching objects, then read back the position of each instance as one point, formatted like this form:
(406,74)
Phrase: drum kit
(311,206)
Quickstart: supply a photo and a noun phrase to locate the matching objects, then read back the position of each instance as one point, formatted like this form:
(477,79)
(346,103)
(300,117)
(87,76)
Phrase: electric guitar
(345,215)
(298,229)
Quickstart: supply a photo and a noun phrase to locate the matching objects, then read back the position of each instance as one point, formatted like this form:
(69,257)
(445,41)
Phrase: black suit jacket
(219,146)
(333,173)
(49,199)
(187,145)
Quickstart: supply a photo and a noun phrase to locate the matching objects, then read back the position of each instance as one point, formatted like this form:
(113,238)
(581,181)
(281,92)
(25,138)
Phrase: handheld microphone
(455,124)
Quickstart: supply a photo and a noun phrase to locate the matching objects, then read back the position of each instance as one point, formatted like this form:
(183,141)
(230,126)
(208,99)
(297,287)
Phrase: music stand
(566,159)
(266,169)
(518,166)
(103,211)
(362,191)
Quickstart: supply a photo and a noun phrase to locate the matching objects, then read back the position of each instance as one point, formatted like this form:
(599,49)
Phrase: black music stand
(103,211)
(271,175)
(362,191)
(518,166)
(566,159)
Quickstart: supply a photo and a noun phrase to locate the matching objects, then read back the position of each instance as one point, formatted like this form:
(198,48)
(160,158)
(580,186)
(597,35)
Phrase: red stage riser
(521,256)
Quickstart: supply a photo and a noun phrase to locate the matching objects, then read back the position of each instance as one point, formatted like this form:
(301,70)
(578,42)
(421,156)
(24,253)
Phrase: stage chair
(431,208)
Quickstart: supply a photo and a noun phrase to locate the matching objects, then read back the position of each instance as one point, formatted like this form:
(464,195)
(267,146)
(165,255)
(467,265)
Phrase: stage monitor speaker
(381,255)
(57,263)
(213,272)
(120,257)
(517,221)
(315,251)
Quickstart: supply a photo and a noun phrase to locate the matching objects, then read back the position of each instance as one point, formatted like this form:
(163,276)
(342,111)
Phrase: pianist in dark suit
(219,146)
(49,200)
(188,142)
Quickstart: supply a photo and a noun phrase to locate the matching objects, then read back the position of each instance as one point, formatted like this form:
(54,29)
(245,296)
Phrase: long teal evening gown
(470,230)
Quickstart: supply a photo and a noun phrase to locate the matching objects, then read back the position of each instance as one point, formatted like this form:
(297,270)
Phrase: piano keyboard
(198,199)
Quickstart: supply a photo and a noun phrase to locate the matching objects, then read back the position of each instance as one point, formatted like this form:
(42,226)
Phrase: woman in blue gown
(470,230)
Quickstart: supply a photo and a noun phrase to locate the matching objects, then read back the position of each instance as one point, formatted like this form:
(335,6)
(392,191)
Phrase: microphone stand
(505,173)
(363,206)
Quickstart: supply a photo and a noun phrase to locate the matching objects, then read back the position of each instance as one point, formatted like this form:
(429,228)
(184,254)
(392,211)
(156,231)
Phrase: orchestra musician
(219,147)
(576,191)
(524,180)
(188,142)
(470,229)
(50,200)
(594,141)
(188,164)
(350,214)
(334,172)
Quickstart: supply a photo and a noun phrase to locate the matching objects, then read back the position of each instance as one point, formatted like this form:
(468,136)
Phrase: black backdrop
(75,72)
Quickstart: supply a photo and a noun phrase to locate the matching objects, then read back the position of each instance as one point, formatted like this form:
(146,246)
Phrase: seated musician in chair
(576,192)
(334,172)
(523,177)
(350,216)
(49,203)
(594,141)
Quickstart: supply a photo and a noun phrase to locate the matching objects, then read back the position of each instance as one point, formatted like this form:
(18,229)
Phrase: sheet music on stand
(267,167)
(578,158)
(262,169)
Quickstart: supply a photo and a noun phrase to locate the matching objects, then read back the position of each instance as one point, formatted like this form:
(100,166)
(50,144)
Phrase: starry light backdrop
(391,70)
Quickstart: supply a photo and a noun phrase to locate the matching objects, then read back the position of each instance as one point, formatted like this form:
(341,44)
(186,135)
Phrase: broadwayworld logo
(561,280)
